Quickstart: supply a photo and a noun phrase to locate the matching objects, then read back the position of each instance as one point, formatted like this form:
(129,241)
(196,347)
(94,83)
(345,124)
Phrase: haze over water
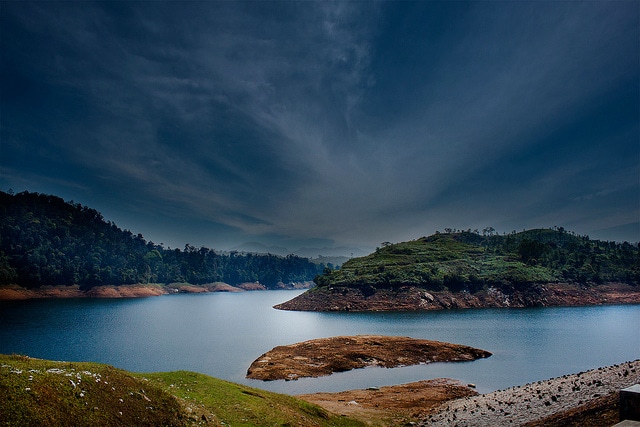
(221,334)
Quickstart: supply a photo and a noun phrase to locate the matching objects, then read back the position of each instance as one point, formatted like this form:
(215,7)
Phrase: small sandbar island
(324,356)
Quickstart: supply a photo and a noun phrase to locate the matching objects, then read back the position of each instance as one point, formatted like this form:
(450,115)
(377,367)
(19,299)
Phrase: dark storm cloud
(350,121)
(546,88)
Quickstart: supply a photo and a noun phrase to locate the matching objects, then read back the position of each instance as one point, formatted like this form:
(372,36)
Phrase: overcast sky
(326,123)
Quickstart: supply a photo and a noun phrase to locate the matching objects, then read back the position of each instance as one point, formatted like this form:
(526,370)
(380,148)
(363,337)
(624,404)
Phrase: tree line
(468,261)
(47,241)
(569,256)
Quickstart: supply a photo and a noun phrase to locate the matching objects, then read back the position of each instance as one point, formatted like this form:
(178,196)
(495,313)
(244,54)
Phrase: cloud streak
(350,122)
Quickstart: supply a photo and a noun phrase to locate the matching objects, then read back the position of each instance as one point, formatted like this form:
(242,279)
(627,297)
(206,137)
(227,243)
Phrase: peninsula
(464,269)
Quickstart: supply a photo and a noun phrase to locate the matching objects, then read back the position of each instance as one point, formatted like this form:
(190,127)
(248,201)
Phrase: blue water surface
(220,334)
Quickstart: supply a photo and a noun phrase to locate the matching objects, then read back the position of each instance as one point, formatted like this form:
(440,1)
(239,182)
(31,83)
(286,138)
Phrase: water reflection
(221,334)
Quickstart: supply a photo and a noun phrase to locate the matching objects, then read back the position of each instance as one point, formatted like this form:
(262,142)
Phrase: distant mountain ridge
(259,248)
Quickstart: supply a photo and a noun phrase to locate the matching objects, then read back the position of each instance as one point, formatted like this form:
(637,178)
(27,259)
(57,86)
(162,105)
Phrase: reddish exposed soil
(15,292)
(325,356)
(410,298)
(391,405)
(252,286)
(18,293)
(132,291)
(125,291)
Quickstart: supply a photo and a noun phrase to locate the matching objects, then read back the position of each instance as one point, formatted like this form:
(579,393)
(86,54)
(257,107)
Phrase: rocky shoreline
(15,292)
(9,293)
(585,399)
(533,403)
(411,298)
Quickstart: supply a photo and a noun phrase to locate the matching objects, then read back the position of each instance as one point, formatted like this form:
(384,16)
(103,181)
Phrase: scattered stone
(553,399)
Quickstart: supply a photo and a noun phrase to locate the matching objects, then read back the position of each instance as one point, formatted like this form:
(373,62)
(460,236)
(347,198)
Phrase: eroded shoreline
(15,292)
(412,298)
(325,356)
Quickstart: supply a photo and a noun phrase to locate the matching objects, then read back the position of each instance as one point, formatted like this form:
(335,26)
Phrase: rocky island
(535,268)
(325,356)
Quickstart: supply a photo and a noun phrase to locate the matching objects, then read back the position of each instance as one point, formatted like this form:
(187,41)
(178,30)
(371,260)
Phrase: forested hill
(47,241)
(468,270)
(468,261)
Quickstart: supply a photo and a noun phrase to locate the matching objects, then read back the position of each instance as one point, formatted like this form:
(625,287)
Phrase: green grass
(435,263)
(239,405)
(35,392)
(465,260)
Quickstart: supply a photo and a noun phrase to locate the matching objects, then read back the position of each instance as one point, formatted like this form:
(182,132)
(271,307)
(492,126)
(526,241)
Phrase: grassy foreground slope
(35,392)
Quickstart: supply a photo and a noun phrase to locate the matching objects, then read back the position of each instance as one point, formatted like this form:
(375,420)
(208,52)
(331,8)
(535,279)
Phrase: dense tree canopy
(468,261)
(47,241)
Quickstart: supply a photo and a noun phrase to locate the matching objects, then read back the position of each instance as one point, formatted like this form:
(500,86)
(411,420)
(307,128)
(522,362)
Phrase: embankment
(541,403)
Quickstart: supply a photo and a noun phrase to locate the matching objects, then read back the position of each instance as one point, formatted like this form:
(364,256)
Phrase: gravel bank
(531,402)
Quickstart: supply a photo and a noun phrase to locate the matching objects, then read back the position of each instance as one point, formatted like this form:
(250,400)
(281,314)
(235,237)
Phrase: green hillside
(45,241)
(36,392)
(467,261)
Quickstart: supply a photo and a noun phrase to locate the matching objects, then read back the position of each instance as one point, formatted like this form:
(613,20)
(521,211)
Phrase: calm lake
(220,334)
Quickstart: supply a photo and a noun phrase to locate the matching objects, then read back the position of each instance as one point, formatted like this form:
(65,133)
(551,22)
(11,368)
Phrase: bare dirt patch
(391,405)
(325,356)
(15,292)
(125,291)
(252,286)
